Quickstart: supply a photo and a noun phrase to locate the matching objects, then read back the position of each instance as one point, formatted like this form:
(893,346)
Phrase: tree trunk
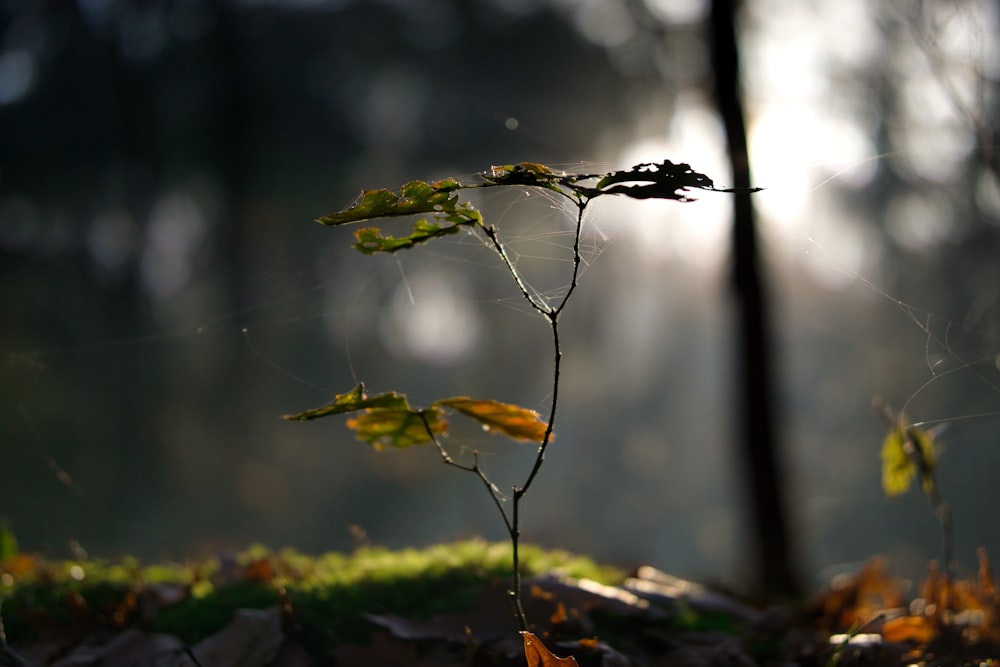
(775,565)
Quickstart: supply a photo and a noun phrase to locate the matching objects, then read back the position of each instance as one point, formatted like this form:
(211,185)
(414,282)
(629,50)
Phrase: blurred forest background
(166,296)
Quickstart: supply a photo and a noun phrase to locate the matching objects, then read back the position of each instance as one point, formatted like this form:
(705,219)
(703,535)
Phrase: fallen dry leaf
(916,629)
(538,656)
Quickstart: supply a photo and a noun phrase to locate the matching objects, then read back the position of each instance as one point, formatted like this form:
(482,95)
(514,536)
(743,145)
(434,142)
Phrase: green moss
(327,594)
(195,618)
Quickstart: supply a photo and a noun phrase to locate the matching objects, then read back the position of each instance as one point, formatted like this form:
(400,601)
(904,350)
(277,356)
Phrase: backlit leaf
(650,180)
(397,427)
(438,199)
(511,420)
(414,198)
(352,401)
(900,464)
(370,239)
(537,655)
(527,173)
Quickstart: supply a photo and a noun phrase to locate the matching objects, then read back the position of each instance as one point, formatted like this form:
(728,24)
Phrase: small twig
(475,468)
(581,206)
(190,654)
(491,234)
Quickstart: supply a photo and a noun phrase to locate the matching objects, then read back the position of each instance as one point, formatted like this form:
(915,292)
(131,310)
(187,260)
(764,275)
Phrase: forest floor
(449,605)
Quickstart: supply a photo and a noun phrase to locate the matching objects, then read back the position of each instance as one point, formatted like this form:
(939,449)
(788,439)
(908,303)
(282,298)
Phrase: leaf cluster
(388,419)
(447,213)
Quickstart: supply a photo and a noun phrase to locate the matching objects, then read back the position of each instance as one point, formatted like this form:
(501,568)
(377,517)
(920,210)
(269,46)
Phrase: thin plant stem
(512,521)
(938,504)
(925,471)
(536,304)
(552,316)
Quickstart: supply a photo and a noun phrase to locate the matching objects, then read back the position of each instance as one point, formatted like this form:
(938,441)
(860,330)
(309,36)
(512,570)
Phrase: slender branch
(581,205)
(475,468)
(491,234)
(552,315)
(513,521)
(547,438)
(553,318)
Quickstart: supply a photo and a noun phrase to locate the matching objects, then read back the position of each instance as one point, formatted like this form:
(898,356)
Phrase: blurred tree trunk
(231,129)
(775,564)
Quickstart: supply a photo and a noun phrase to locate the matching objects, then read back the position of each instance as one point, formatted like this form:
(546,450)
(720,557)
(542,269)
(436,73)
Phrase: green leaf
(8,543)
(527,173)
(438,199)
(511,420)
(370,239)
(385,419)
(900,462)
(398,427)
(352,401)
(414,198)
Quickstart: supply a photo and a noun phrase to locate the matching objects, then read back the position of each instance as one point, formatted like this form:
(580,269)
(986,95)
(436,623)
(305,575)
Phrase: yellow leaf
(899,458)
(897,469)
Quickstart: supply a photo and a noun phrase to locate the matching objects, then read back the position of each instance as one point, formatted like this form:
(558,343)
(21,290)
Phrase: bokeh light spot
(17,74)
(432,319)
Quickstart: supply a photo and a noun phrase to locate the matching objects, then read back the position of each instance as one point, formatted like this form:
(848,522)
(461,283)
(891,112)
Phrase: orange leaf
(261,569)
(538,656)
(511,420)
(18,565)
(917,629)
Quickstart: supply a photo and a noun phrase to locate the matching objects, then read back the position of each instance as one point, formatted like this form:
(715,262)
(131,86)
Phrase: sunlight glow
(695,232)
(846,246)
(793,149)
(677,12)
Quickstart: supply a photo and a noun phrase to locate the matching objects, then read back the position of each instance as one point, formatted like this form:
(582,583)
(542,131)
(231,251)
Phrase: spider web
(336,305)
